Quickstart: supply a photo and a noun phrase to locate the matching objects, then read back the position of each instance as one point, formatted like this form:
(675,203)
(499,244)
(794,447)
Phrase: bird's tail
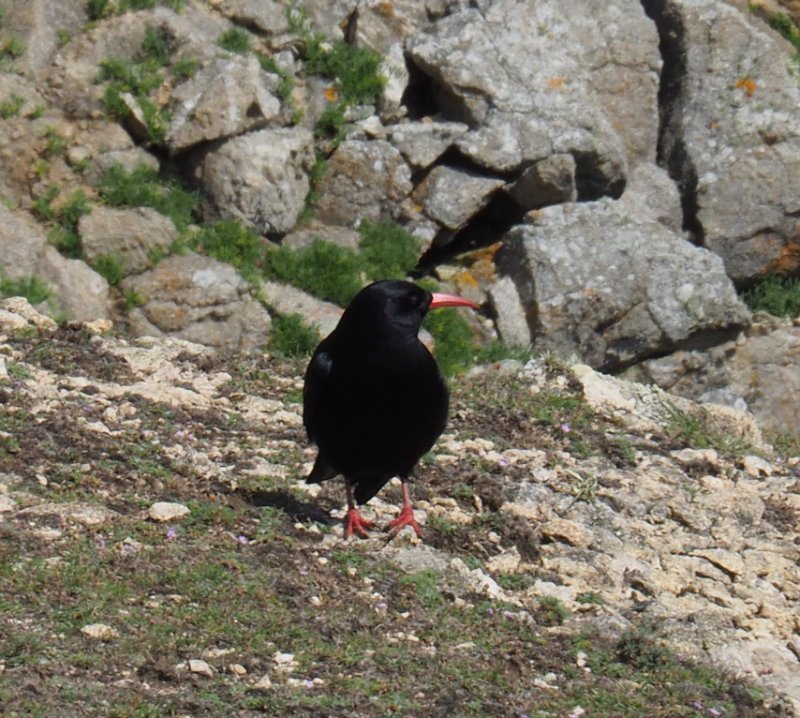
(322,471)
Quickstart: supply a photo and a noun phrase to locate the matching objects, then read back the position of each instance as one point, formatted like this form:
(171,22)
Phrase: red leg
(406,517)
(354,522)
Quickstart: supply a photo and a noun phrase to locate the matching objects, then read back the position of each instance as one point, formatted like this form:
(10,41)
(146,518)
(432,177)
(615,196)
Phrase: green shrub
(12,48)
(32,288)
(388,250)
(74,208)
(323,269)
(64,235)
(780,296)
(455,346)
(140,77)
(155,45)
(234,40)
(498,350)
(286,85)
(291,337)
(355,69)
(110,267)
(11,107)
(230,241)
(143,188)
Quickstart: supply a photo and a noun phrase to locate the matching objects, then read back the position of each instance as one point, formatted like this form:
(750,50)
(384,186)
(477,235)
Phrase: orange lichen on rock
(748,84)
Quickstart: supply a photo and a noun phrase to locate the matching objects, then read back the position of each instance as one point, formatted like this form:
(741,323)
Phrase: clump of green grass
(692,430)
(140,77)
(64,234)
(32,288)
(551,611)
(292,338)
(498,350)
(97,9)
(355,72)
(142,187)
(110,267)
(388,250)
(11,48)
(235,40)
(455,346)
(323,269)
(11,107)
(336,274)
(779,296)
(230,241)
(56,144)
(286,85)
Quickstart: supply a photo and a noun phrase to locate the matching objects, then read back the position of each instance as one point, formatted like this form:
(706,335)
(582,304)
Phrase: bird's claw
(355,523)
(405,518)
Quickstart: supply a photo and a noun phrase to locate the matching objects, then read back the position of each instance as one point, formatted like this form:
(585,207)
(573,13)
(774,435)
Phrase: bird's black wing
(319,369)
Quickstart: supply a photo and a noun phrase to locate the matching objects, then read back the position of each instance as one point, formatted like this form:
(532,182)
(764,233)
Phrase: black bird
(374,401)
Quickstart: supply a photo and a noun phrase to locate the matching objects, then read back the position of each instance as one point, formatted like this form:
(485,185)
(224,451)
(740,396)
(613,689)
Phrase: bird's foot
(405,518)
(355,523)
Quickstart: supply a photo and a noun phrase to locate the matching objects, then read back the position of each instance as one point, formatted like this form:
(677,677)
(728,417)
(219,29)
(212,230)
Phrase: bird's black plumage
(374,401)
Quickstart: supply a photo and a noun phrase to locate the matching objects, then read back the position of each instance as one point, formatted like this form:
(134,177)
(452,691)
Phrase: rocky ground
(591,548)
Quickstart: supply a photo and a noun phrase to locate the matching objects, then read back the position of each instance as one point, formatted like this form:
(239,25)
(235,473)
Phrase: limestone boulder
(732,134)
(610,283)
(133,236)
(260,178)
(198,299)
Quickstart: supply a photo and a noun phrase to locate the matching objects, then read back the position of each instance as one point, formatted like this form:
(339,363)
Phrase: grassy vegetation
(353,70)
(110,267)
(779,296)
(98,9)
(235,40)
(268,64)
(692,430)
(64,218)
(322,269)
(787,27)
(230,241)
(291,338)
(143,187)
(252,572)
(32,288)
(11,107)
(140,77)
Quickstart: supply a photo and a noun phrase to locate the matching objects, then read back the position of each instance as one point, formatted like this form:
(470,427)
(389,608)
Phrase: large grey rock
(192,34)
(307,232)
(37,24)
(549,181)
(758,372)
(364,180)
(608,282)
(266,16)
(422,143)
(132,235)
(522,74)
(260,178)
(287,300)
(452,196)
(732,134)
(229,96)
(78,291)
(199,299)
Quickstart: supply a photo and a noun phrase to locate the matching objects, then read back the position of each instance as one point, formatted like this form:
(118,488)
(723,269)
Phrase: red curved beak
(450,300)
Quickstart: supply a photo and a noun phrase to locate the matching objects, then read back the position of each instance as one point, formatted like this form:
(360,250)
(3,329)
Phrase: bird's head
(394,309)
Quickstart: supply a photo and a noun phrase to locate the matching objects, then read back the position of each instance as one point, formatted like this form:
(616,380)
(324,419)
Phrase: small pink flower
(172,533)
(565,427)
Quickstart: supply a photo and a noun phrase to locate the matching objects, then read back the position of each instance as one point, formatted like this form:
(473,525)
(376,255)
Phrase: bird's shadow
(303,511)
